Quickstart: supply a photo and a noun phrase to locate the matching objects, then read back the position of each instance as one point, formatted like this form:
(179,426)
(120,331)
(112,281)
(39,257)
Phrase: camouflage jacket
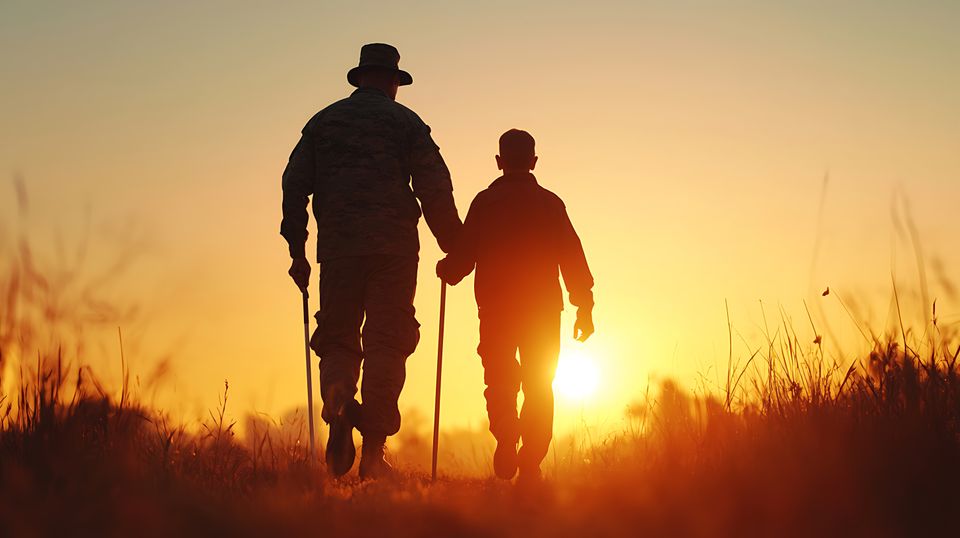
(520,239)
(366,160)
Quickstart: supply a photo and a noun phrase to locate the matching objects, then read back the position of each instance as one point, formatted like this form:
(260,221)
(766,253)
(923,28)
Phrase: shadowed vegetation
(792,444)
(803,449)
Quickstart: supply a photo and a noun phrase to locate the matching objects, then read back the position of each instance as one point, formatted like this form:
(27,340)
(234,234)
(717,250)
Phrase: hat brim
(353,76)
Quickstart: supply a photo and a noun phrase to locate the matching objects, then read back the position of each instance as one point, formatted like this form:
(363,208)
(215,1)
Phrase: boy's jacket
(518,236)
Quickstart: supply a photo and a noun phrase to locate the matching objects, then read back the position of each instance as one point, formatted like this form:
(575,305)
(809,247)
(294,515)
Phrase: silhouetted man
(518,235)
(366,160)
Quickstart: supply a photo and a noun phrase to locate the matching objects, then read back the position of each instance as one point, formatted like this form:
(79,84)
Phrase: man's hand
(300,273)
(583,327)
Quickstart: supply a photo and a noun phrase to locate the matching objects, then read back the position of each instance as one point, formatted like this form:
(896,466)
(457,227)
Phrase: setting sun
(577,375)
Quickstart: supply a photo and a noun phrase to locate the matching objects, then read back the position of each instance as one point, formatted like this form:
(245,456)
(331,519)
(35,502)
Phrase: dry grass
(790,444)
(795,447)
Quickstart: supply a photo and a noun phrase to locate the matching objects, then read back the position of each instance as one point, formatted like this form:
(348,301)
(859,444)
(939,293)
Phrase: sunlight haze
(743,156)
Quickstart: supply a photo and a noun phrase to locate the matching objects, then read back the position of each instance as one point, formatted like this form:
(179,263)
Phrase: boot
(505,460)
(373,466)
(340,452)
(529,467)
(529,476)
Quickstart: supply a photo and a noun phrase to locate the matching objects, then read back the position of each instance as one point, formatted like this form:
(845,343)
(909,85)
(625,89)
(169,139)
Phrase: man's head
(379,68)
(517,152)
(384,80)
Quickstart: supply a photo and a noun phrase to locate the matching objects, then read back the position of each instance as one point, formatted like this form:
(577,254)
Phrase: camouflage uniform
(366,160)
(520,239)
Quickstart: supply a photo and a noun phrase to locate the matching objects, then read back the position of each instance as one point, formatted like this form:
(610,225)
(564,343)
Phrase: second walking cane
(436,406)
(306,343)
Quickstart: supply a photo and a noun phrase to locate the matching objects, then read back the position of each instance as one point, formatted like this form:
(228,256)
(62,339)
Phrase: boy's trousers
(536,335)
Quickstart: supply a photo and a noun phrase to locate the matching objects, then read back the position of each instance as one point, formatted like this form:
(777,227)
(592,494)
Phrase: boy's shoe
(373,466)
(529,470)
(505,460)
(340,452)
(530,476)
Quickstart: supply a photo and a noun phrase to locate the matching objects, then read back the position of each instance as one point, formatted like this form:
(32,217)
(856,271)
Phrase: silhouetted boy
(518,235)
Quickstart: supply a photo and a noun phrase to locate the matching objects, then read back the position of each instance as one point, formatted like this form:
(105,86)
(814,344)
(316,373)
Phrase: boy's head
(517,153)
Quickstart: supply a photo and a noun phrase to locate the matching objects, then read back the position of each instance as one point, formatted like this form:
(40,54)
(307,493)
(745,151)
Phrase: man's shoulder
(407,111)
(319,117)
(412,119)
(363,106)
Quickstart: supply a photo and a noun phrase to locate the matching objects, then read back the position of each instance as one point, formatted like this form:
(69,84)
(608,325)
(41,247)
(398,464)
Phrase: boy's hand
(300,273)
(443,270)
(583,327)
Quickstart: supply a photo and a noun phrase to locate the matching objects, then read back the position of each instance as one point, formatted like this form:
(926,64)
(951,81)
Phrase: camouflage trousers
(536,335)
(366,318)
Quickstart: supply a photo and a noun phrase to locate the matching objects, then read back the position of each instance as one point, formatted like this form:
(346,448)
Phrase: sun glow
(577,375)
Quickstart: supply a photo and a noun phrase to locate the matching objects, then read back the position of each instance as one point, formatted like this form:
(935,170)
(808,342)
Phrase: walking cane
(436,407)
(306,344)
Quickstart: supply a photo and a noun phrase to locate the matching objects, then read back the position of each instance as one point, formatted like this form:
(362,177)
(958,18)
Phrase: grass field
(795,447)
(791,444)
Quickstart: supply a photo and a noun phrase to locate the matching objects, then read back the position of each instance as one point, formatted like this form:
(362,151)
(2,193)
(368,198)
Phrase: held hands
(583,327)
(443,271)
(300,273)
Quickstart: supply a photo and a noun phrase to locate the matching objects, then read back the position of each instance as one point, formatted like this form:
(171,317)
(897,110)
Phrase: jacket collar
(368,90)
(515,178)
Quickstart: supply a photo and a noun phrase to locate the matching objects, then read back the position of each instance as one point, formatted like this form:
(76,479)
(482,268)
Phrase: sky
(713,156)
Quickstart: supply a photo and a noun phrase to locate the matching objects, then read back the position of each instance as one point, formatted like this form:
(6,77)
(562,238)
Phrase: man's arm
(463,257)
(298,179)
(432,186)
(576,277)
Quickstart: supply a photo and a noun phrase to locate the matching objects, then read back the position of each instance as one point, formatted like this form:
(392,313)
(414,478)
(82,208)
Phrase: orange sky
(689,142)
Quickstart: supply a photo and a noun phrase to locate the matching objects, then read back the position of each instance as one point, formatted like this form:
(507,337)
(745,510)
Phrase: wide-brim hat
(378,56)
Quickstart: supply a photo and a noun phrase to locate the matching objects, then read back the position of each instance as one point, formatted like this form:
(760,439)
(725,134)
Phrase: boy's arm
(463,256)
(576,277)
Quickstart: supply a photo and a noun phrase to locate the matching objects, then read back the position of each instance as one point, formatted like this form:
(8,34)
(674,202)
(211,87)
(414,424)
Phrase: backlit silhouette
(518,235)
(366,161)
